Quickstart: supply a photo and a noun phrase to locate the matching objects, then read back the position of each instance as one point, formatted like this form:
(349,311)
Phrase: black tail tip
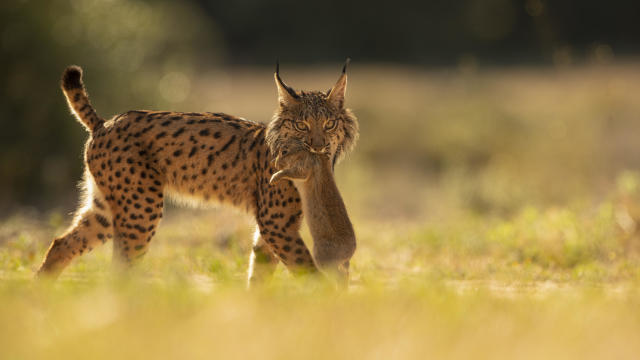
(72,78)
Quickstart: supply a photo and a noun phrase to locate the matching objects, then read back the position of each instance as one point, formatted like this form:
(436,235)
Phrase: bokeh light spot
(534,7)
(491,19)
(601,53)
(174,87)
(562,56)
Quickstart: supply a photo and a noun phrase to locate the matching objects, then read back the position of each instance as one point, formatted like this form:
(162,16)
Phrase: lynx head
(313,120)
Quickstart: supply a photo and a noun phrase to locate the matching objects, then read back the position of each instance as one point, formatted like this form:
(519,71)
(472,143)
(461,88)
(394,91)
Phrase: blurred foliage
(468,136)
(133,52)
(426,32)
(490,141)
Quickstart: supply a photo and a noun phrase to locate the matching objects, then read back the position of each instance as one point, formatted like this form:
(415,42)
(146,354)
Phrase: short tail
(78,100)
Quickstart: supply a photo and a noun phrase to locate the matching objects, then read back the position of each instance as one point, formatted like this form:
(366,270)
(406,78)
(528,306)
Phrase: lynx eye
(330,124)
(300,125)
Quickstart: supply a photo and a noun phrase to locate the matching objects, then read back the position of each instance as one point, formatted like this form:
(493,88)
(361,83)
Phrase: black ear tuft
(281,83)
(72,78)
(346,63)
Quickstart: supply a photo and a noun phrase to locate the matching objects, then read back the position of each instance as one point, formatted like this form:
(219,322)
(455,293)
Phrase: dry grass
(496,215)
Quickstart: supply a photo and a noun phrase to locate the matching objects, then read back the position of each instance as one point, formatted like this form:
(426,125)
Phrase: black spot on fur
(193,151)
(98,204)
(178,132)
(102,220)
(226,146)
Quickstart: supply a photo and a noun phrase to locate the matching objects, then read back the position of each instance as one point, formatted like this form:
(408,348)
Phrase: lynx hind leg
(137,213)
(92,226)
(289,174)
(262,262)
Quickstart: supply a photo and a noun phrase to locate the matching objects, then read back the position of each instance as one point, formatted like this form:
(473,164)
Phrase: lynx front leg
(262,262)
(279,220)
(288,247)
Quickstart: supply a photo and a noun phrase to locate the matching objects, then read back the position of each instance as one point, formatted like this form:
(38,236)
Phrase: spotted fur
(137,159)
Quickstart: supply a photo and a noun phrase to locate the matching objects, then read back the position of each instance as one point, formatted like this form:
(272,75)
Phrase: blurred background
(495,189)
(471,106)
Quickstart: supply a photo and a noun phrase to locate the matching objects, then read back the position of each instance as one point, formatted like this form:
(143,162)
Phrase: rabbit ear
(286,95)
(336,94)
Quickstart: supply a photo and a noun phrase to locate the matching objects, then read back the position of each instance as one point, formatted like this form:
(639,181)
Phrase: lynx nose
(317,149)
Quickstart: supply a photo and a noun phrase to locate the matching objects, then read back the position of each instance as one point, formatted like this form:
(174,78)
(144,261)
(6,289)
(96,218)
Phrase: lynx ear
(286,95)
(336,94)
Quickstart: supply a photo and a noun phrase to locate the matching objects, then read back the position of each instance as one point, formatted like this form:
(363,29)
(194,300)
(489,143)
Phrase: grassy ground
(499,220)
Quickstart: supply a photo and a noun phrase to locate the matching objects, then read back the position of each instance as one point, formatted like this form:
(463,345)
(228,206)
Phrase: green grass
(496,215)
(555,283)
